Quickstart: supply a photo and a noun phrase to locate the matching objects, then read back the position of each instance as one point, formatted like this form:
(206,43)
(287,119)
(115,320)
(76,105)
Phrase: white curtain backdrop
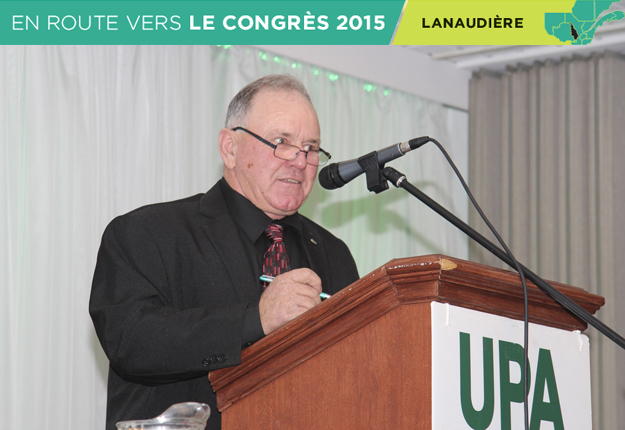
(90,132)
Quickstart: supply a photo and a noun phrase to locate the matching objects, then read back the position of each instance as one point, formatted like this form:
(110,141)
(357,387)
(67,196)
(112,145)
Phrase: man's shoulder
(168,215)
(165,211)
(180,209)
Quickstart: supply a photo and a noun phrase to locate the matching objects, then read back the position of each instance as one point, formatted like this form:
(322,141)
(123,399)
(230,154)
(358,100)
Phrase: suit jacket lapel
(223,233)
(317,257)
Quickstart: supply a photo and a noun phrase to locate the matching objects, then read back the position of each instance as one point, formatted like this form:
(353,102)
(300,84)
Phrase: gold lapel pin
(313,241)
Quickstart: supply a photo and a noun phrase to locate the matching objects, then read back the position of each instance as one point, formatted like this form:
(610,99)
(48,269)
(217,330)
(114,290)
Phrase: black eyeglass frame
(274,146)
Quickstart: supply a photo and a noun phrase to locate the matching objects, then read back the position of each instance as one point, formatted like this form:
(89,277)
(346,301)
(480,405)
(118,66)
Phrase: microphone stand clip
(376,181)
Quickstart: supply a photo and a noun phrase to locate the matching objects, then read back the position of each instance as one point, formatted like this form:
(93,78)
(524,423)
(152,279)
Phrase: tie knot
(275,232)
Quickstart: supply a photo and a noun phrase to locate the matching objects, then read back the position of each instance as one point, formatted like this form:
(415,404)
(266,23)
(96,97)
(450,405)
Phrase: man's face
(277,187)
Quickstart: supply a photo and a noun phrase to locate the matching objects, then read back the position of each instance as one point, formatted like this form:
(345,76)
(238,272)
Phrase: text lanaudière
(496,22)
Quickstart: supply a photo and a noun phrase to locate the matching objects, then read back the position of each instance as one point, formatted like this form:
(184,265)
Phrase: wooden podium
(363,359)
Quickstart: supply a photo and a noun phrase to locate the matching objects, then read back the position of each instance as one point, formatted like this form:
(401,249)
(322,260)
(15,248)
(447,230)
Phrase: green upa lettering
(477,420)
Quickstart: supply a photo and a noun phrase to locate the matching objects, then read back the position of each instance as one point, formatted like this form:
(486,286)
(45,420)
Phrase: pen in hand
(267,278)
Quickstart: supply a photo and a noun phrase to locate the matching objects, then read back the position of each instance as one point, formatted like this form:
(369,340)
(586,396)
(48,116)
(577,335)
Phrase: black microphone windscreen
(329,177)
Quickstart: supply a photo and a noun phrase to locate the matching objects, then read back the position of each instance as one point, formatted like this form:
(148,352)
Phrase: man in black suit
(176,290)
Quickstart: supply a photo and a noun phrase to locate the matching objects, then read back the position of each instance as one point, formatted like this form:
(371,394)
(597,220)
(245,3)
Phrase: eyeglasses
(288,152)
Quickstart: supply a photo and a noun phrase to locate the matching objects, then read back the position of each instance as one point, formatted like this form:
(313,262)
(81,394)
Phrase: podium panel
(362,382)
(427,342)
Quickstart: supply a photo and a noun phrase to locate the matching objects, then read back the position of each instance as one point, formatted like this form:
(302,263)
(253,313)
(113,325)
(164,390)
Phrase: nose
(300,160)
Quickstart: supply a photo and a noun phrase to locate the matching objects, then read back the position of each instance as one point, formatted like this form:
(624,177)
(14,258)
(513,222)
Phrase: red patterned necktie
(275,260)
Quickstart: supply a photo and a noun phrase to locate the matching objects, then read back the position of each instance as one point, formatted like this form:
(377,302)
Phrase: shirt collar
(251,219)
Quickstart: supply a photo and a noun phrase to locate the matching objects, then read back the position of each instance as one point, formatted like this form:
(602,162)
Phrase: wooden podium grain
(362,359)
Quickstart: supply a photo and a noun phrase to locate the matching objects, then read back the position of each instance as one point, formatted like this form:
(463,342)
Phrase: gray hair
(240,105)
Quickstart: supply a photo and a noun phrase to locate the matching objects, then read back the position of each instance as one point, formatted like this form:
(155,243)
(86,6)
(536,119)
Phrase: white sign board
(477,361)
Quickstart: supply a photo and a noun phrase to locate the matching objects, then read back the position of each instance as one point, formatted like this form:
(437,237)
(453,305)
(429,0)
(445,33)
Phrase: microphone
(336,175)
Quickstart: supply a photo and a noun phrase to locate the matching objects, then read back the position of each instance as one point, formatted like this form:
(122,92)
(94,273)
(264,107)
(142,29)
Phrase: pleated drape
(547,164)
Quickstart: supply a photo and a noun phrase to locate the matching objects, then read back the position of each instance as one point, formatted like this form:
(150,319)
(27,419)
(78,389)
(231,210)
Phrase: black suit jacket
(170,290)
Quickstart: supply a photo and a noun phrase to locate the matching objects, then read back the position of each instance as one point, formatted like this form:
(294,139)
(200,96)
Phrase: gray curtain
(547,165)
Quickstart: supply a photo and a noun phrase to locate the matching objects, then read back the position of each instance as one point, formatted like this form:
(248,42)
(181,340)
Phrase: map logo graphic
(579,25)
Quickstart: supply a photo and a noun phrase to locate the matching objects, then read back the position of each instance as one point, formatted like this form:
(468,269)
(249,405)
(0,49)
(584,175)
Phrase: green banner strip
(346,22)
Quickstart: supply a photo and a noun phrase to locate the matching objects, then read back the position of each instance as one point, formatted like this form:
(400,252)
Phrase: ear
(227,147)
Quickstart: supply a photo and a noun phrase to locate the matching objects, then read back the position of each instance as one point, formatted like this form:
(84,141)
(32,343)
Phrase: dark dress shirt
(251,224)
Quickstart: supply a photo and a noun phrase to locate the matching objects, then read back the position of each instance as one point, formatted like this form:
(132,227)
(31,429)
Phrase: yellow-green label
(490,22)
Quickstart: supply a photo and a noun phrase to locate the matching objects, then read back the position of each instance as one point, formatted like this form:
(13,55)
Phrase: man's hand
(288,296)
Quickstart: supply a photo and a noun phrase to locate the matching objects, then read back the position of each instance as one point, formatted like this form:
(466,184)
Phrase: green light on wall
(386,92)
(316,72)
(333,77)
(368,87)
(276,59)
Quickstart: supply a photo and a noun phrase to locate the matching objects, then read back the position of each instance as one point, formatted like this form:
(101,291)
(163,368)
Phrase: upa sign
(477,377)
